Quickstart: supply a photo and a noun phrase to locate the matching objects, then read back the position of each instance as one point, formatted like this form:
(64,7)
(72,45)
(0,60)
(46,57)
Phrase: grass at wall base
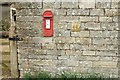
(43,75)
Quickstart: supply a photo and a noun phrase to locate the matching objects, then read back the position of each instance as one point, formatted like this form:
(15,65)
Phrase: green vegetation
(63,76)
(4,25)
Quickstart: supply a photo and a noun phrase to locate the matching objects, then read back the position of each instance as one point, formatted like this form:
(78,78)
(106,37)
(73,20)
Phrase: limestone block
(79,12)
(64,40)
(88,19)
(97,12)
(89,53)
(48,46)
(105,64)
(86,4)
(62,46)
(90,26)
(103,5)
(105,19)
(79,47)
(112,12)
(83,40)
(69,5)
(80,34)
(73,52)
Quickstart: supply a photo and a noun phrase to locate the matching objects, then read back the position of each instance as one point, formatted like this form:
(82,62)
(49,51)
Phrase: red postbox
(48,23)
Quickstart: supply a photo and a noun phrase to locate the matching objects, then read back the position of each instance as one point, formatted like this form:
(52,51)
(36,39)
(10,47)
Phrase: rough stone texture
(88,19)
(20,5)
(83,40)
(78,12)
(88,53)
(51,5)
(104,64)
(105,19)
(69,5)
(104,34)
(103,4)
(105,40)
(93,49)
(79,47)
(90,26)
(86,4)
(107,26)
(111,12)
(97,12)
(115,5)
(80,34)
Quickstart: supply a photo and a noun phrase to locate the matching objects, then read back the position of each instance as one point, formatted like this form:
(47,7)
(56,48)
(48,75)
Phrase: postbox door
(47,24)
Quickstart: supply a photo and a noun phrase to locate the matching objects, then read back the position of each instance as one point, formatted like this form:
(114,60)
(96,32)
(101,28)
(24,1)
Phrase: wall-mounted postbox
(48,23)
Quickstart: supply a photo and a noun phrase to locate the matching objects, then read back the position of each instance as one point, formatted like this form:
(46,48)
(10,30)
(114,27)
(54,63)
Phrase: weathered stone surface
(60,63)
(73,52)
(30,18)
(75,58)
(112,47)
(105,19)
(50,5)
(106,53)
(48,46)
(63,57)
(69,18)
(42,40)
(105,58)
(86,4)
(95,33)
(111,12)
(72,63)
(97,47)
(80,34)
(29,32)
(90,26)
(116,19)
(85,64)
(91,58)
(56,52)
(103,33)
(115,5)
(62,46)
(88,19)
(88,53)
(83,40)
(28,5)
(42,62)
(105,64)
(69,5)
(97,12)
(30,12)
(103,4)
(109,26)
(79,47)
(80,70)
(105,41)
(40,52)
(62,33)
(64,40)
(78,12)
(58,12)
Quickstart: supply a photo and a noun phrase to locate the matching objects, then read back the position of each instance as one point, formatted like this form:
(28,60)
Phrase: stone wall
(94,48)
